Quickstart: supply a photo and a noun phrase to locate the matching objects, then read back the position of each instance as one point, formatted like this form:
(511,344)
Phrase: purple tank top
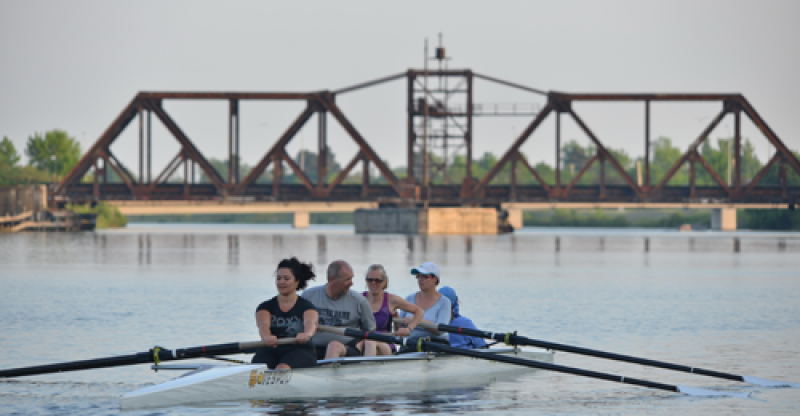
(384,316)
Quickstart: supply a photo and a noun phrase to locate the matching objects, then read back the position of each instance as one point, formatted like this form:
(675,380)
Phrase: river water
(721,301)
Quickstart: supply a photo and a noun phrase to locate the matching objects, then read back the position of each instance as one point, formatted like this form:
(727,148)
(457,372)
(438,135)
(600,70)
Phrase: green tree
(547,173)
(750,163)
(221,166)
(54,152)
(309,163)
(717,159)
(664,156)
(11,173)
(8,153)
(574,156)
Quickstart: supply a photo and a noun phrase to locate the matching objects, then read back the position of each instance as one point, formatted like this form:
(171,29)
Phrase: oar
(513,339)
(424,345)
(155,355)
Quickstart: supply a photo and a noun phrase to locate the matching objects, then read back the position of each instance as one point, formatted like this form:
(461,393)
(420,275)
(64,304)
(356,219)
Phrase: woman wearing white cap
(437,307)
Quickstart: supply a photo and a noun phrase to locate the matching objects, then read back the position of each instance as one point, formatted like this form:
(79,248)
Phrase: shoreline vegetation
(699,219)
(108,216)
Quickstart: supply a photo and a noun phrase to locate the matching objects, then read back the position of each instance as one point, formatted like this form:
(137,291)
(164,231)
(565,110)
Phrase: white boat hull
(379,375)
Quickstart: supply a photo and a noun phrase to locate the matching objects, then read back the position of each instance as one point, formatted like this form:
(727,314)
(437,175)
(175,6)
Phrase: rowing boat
(433,367)
(342,377)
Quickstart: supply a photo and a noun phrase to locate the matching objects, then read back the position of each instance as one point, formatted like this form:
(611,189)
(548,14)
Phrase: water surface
(722,301)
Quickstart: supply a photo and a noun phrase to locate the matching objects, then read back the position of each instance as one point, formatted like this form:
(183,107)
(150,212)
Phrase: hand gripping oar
(155,355)
(513,339)
(424,345)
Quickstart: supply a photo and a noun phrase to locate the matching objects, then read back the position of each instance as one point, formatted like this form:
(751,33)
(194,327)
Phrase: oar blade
(765,382)
(694,391)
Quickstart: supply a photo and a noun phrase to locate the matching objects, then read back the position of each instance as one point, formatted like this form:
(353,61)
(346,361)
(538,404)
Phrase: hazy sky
(75,65)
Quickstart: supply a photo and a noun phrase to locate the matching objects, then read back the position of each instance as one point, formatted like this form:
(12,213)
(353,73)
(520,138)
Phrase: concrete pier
(723,219)
(427,221)
(515,218)
(301,219)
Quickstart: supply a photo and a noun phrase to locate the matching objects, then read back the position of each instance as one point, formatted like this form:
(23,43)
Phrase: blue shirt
(463,341)
(439,313)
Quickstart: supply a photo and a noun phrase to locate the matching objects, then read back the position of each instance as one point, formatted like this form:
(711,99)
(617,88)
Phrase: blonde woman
(384,307)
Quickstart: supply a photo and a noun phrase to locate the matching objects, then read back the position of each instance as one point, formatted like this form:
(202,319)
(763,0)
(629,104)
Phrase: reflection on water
(145,245)
(184,245)
(233,249)
(322,249)
(438,401)
(415,245)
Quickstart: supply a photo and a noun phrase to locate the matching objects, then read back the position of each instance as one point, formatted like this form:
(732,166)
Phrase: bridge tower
(439,122)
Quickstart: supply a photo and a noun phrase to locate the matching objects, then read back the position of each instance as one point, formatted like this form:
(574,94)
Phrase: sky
(76,65)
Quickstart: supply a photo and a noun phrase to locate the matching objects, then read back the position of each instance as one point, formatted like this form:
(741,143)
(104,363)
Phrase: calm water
(727,302)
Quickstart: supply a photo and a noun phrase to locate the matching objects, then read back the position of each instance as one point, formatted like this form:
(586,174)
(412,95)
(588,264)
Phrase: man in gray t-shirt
(339,306)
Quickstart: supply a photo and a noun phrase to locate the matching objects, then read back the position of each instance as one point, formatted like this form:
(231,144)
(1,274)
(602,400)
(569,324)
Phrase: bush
(769,219)
(108,216)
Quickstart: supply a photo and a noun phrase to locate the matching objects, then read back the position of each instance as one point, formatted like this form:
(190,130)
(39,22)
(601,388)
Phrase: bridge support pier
(723,219)
(515,218)
(301,219)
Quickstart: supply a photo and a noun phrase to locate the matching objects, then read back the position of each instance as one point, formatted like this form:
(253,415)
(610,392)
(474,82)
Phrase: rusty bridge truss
(453,135)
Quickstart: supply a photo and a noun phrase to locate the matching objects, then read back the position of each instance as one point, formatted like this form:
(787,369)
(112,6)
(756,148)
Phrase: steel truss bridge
(429,106)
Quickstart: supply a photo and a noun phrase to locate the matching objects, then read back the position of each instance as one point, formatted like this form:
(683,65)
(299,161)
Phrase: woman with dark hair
(288,315)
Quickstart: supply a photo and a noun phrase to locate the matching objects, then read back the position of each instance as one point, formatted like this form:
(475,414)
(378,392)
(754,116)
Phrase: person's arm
(443,314)
(310,319)
(396,302)
(401,313)
(264,321)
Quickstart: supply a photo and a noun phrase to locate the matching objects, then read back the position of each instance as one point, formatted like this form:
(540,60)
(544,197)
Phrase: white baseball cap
(427,268)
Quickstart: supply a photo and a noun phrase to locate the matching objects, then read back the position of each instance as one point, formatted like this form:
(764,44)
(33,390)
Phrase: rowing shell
(344,377)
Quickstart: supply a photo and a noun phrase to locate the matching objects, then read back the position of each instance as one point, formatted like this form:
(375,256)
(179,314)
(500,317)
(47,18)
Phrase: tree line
(52,154)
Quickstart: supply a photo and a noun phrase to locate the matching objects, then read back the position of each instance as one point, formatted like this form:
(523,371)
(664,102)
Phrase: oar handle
(332,329)
(388,338)
(250,345)
(422,324)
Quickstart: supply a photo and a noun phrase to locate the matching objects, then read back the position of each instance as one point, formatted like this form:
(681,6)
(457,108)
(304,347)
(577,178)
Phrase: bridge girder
(407,191)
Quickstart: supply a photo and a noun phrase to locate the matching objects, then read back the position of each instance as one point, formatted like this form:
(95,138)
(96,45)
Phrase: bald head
(340,278)
(336,268)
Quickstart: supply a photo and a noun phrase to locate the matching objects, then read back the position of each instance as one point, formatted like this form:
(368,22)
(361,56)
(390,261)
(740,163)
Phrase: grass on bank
(342,218)
(747,219)
(108,216)
(699,219)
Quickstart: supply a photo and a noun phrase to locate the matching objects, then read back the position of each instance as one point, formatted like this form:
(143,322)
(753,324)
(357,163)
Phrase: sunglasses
(424,276)
(370,280)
